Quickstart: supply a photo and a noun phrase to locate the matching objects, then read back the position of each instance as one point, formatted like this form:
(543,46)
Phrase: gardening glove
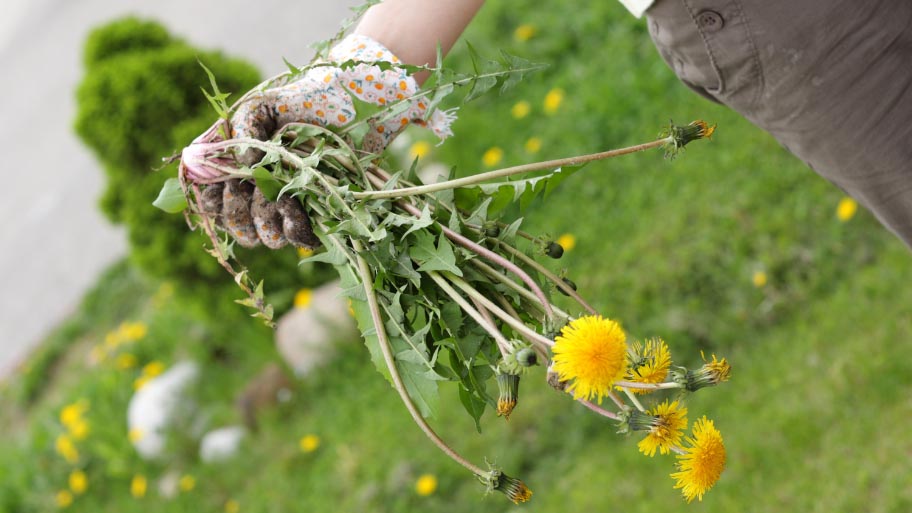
(323,96)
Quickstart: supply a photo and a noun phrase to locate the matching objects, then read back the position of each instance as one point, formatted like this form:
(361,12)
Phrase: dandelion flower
(153,369)
(78,482)
(303,298)
(140,382)
(232,506)
(309,443)
(426,485)
(533,145)
(79,429)
(419,150)
(492,156)
(702,462)
(591,351)
(846,209)
(759,279)
(665,423)
(125,361)
(524,32)
(567,241)
(138,486)
(63,498)
(305,252)
(508,393)
(521,109)
(72,413)
(66,448)
(187,483)
(649,363)
(513,488)
(710,374)
(131,331)
(553,100)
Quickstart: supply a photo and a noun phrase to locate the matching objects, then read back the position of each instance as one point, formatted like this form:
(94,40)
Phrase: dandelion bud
(526,357)
(513,488)
(554,250)
(508,385)
(491,229)
(569,283)
(640,421)
(710,374)
(682,135)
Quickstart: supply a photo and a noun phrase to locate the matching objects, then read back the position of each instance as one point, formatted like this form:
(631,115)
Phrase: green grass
(814,417)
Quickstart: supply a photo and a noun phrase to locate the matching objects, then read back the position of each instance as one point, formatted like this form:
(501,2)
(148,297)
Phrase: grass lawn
(734,248)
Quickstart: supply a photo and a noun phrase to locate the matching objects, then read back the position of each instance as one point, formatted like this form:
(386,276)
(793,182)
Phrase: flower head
(78,482)
(524,32)
(520,109)
(138,486)
(302,298)
(153,369)
(553,100)
(513,488)
(680,136)
(309,443)
(508,387)
(846,209)
(533,145)
(63,498)
(567,241)
(187,483)
(66,448)
(649,363)
(666,423)
(592,352)
(426,485)
(702,463)
(759,279)
(710,374)
(492,156)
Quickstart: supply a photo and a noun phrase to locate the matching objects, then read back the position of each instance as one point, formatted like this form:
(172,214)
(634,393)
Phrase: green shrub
(141,101)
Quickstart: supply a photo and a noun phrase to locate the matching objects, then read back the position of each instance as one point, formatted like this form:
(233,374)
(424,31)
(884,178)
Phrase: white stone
(154,407)
(221,444)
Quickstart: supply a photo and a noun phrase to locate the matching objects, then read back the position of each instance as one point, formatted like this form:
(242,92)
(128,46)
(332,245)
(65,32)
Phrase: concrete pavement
(53,241)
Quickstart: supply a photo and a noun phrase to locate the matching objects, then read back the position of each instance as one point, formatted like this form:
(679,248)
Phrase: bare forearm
(412,29)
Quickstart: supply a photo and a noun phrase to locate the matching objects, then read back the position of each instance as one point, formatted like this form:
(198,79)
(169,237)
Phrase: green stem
(532,298)
(509,171)
(633,398)
(368,280)
(561,284)
(649,386)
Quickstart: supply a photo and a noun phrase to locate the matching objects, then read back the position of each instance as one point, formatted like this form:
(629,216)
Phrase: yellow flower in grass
(131,331)
(125,361)
(153,369)
(305,252)
(521,109)
(759,279)
(533,145)
(426,485)
(649,363)
(492,156)
(79,429)
(524,32)
(138,486)
(567,241)
(592,352)
(702,463)
(140,382)
(303,298)
(419,150)
(846,209)
(309,443)
(78,482)
(553,100)
(187,483)
(63,498)
(67,449)
(666,425)
(72,413)
(232,506)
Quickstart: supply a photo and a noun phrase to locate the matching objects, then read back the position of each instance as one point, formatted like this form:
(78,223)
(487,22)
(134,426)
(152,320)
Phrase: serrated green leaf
(430,258)
(473,405)
(268,185)
(171,198)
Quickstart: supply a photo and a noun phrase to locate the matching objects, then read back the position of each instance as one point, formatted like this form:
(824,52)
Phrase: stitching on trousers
(754,53)
(712,57)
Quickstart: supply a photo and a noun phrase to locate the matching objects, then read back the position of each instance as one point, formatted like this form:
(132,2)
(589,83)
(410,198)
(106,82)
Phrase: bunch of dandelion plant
(443,286)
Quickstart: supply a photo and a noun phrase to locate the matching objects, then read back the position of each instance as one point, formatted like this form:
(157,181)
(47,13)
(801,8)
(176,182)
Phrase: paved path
(53,241)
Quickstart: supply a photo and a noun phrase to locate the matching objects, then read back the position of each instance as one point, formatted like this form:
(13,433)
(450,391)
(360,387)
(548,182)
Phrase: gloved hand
(323,96)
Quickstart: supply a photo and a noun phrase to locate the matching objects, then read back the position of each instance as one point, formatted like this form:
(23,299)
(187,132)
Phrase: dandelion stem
(493,273)
(633,398)
(649,386)
(598,409)
(367,280)
(561,284)
(509,171)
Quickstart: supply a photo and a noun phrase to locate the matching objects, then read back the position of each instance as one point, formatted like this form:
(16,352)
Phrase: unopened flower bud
(508,385)
(526,357)
(491,229)
(569,283)
(513,488)
(554,250)
(710,374)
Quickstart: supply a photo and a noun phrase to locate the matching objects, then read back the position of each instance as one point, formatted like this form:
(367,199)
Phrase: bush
(140,101)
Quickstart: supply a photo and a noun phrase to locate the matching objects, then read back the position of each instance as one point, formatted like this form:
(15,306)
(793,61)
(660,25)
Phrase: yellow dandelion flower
(125,361)
(533,145)
(112,340)
(710,374)
(759,279)
(305,252)
(492,156)
(521,109)
(153,369)
(232,506)
(67,449)
(702,463)
(524,32)
(187,483)
(63,498)
(72,413)
(138,486)
(553,100)
(419,150)
(135,435)
(78,482)
(79,429)
(649,363)
(303,298)
(426,485)
(846,209)
(141,382)
(567,241)
(591,351)
(666,424)
(513,488)
(131,331)
(309,443)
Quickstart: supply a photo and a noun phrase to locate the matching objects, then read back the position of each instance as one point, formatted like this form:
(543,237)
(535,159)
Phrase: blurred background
(130,381)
